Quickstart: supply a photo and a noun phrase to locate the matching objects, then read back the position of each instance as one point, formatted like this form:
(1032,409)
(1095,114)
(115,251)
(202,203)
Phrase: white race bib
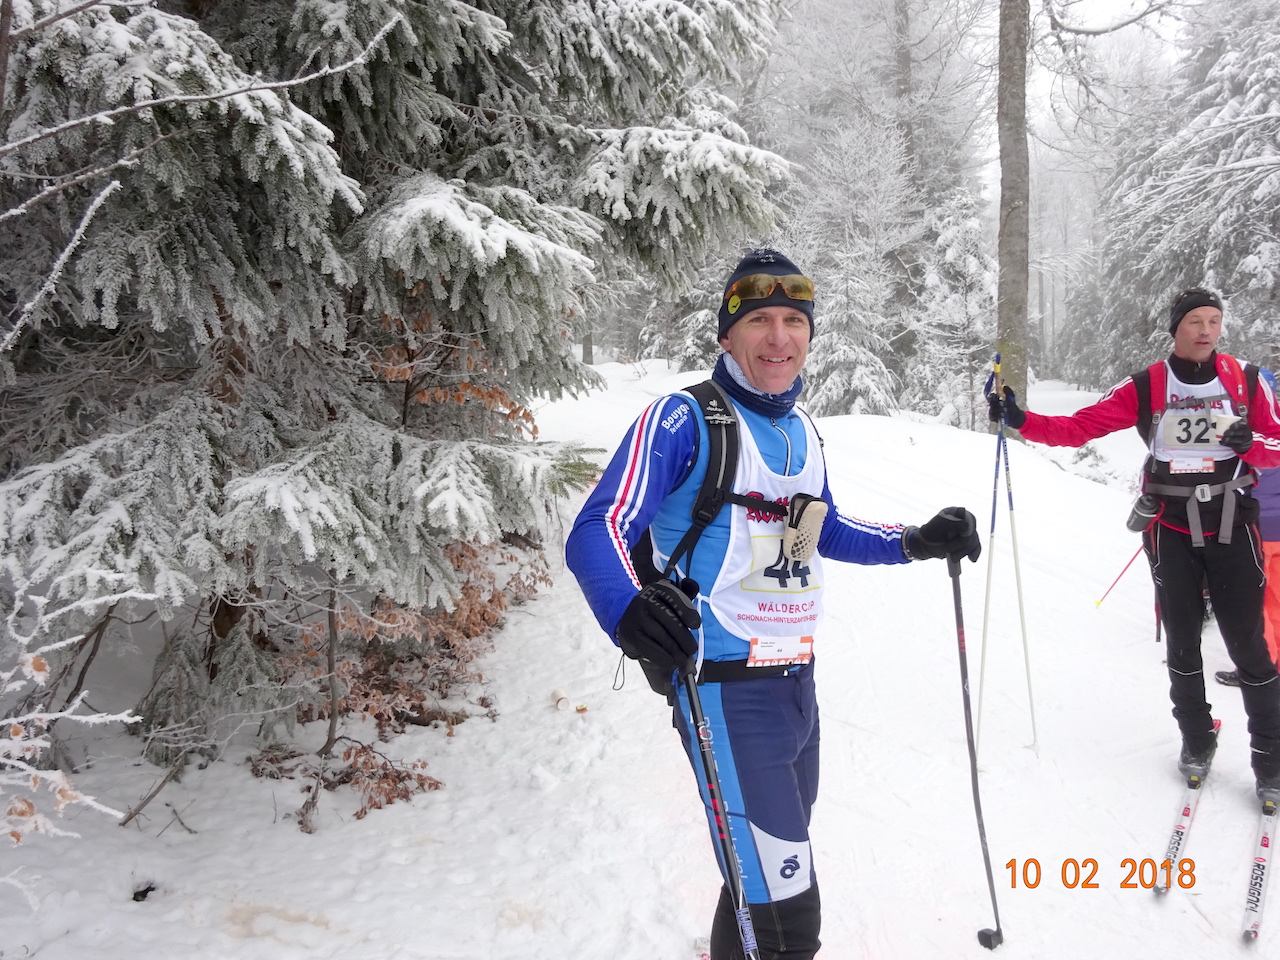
(1182,428)
(760,595)
(1186,438)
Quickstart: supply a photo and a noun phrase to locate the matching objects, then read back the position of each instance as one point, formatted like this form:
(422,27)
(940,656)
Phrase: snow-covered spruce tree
(856,210)
(159,221)
(683,330)
(1195,202)
(955,328)
(290,356)
(878,118)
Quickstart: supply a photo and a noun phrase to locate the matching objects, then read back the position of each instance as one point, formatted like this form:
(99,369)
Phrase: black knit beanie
(1187,301)
(767,261)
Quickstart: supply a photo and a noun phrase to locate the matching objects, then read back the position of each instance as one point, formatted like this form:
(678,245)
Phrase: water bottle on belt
(1145,509)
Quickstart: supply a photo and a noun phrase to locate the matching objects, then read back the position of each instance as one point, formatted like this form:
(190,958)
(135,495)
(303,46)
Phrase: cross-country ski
(1260,870)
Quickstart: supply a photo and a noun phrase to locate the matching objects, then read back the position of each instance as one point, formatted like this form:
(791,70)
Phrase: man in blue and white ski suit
(746,617)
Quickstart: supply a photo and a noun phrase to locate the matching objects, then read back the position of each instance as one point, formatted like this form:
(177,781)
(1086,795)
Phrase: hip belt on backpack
(1203,493)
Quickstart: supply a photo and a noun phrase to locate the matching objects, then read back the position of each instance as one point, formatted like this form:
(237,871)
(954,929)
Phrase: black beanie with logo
(766,261)
(1187,301)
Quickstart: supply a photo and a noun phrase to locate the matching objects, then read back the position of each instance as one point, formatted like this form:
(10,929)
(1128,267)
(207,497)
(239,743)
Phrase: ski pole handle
(995,382)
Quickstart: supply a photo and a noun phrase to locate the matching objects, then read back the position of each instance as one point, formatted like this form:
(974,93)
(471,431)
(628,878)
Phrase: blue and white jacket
(652,481)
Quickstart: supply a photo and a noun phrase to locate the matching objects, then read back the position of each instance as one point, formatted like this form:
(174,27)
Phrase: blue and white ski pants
(764,737)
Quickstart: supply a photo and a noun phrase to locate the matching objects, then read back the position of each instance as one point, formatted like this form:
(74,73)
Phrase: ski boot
(1195,759)
(1269,789)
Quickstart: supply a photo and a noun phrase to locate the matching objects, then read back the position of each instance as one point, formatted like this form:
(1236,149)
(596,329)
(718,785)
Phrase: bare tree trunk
(588,353)
(6,21)
(1015,193)
(224,614)
(327,749)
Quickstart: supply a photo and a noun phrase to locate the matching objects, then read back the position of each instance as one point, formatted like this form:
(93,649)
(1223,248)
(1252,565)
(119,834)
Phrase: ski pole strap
(1203,493)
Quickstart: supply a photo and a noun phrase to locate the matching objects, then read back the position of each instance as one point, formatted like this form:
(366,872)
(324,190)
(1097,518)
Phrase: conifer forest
(282,283)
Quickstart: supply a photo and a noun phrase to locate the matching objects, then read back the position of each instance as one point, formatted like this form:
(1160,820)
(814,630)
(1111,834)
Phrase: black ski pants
(785,929)
(1237,583)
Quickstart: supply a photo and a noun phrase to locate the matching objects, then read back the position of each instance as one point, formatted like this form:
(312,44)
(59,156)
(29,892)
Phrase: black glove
(1238,436)
(656,627)
(953,534)
(1013,416)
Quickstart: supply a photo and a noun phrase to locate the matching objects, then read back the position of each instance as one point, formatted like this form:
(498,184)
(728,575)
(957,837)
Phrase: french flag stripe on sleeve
(635,477)
(886,531)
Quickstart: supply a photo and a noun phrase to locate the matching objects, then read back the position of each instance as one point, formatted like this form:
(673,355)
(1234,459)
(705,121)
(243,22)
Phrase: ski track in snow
(565,834)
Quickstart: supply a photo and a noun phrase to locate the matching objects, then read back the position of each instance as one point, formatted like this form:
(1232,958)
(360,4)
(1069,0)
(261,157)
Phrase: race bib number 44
(773,572)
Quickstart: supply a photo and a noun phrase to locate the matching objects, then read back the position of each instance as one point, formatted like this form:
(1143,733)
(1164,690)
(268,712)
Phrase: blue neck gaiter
(729,376)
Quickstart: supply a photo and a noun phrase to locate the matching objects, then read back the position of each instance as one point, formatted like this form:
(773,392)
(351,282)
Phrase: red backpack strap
(1232,377)
(1159,387)
(1152,395)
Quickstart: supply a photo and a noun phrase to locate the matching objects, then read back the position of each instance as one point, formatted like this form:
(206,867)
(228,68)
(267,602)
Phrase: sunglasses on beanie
(758,286)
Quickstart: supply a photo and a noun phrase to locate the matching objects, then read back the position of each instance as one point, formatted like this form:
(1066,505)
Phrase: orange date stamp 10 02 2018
(1083,874)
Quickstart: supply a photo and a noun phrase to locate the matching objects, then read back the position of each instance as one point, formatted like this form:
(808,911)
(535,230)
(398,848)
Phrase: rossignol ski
(1181,830)
(1260,871)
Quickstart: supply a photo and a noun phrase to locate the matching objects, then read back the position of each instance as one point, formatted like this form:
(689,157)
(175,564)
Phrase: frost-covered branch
(52,279)
(72,11)
(1058,25)
(23,740)
(107,117)
(12,879)
(128,160)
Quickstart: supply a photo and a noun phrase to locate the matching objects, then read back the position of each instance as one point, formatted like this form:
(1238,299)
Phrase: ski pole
(987,937)
(1002,447)
(1022,610)
(728,855)
(1122,573)
(986,602)
(995,382)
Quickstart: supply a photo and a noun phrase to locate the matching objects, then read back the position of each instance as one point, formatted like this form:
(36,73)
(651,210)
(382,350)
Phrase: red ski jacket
(1118,409)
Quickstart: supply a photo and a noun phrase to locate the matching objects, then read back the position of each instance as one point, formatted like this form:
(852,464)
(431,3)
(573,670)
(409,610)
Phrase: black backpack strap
(1251,374)
(722,464)
(1142,383)
(717,483)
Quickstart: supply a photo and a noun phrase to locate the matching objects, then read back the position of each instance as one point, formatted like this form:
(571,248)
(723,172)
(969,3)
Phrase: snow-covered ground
(566,834)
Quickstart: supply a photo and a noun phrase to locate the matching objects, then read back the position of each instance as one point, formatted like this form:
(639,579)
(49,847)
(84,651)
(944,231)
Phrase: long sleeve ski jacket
(1119,408)
(658,465)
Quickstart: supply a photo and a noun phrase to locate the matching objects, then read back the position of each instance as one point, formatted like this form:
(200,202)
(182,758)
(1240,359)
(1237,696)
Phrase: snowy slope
(561,834)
